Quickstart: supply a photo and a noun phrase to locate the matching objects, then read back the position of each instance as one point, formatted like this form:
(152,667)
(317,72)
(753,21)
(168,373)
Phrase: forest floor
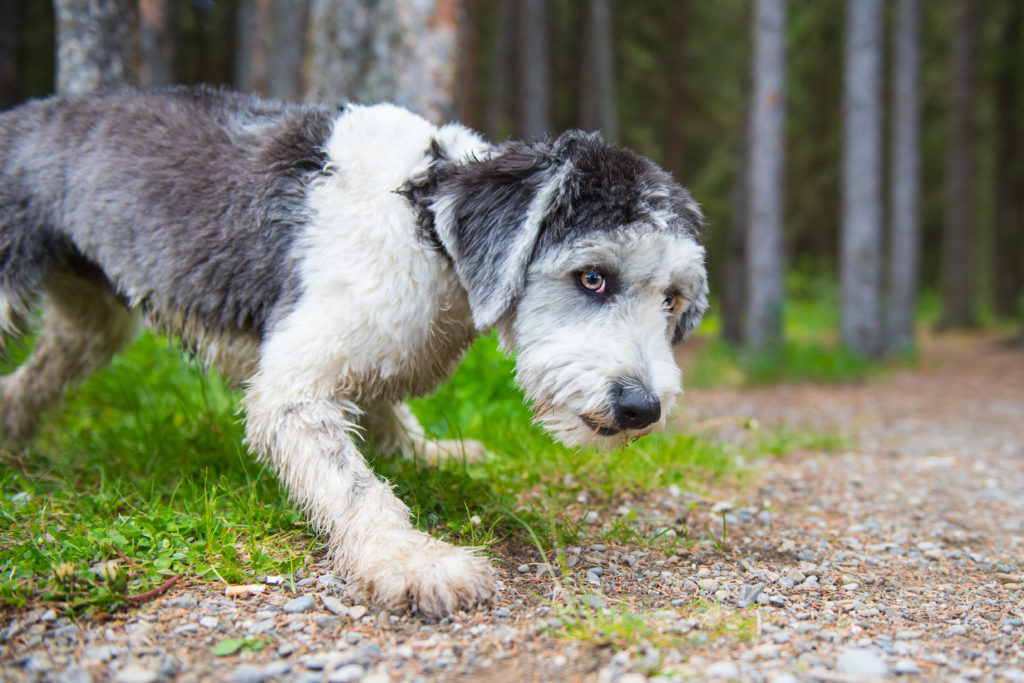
(901,553)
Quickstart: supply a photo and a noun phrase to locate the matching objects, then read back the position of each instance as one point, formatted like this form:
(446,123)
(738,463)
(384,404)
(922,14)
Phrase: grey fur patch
(187,200)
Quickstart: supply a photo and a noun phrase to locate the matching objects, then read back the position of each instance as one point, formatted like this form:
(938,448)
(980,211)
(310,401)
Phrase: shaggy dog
(335,262)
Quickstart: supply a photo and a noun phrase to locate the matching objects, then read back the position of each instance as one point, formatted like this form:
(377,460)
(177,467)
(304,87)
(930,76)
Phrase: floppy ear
(488,215)
(692,316)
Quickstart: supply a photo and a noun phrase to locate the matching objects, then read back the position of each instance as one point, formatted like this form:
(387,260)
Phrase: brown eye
(593,281)
(670,302)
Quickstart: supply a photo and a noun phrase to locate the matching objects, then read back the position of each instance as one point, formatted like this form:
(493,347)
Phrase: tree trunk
(10,68)
(957,271)
(735,288)
(597,72)
(403,51)
(500,80)
(287,57)
(675,152)
(764,252)
(252,63)
(534,99)
(904,247)
(1007,214)
(861,240)
(469,64)
(95,45)
(157,42)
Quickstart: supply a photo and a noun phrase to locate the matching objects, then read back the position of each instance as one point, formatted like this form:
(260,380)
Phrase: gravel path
(899,556)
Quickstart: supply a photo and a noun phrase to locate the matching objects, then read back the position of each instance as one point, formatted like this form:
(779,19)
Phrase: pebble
(263,626)
(726,670)
(299,604)
(357,611)
(859,662)
(906,667)
(523,569)
(73,673)
(276,669)
(749,595)
(346,674)
(248,673)
(334,606)
(592,517)
(135,674)
(183,601)
(208,622)
(707,585)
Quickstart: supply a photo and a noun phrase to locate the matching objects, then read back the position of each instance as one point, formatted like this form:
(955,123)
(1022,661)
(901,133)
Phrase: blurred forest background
(868,153)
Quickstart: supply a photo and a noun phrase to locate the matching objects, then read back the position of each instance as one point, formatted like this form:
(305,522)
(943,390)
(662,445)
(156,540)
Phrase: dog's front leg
(373,544)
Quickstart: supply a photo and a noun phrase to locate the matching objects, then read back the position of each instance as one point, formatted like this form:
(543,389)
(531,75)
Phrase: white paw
(417,572)
(433,452)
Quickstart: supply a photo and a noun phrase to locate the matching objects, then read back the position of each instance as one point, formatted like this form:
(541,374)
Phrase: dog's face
(585,257)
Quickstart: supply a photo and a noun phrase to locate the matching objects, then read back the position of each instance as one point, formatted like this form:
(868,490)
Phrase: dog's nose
(635,407)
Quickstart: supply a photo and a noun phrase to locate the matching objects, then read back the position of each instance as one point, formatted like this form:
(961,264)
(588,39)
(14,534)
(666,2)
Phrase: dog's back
(212,182)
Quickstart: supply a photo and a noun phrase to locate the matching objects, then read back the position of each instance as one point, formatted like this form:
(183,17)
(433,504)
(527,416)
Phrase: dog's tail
(30,249)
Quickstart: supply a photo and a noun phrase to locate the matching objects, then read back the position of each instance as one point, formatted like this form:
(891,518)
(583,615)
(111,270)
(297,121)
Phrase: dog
(335,262)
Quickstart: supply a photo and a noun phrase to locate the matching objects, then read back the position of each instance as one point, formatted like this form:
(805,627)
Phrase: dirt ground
(899,555)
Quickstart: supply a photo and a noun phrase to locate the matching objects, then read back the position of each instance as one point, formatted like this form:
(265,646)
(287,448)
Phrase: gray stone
(248,673)
(276,669)
(264,626)
(858,662)
(299,604)
(183,601)
(347,674)
(749,594)
(208,622)
(334,606)
(135,674)
(726,670)
(785,678)
(906,666)
(73,673)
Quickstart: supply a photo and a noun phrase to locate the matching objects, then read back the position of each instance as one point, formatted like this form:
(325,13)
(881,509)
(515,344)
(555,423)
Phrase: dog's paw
(420,573)
(434,452)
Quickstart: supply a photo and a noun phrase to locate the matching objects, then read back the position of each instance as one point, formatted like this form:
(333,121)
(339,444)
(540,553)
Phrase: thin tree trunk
(290,19)
(861,240)
(157,42)
(403,51)
(95,45)
(675,152)
(10,69)
(735,287)
(1009,178)
(957,271)
(764,252)
(500,80)
(469,64)
(252,65)
(534,100)
(904,246)
(597,71)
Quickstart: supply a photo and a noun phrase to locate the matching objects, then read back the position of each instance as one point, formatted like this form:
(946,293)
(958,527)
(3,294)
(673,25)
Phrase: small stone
(858,662)
(749,594)
(784,678)
(353,637)
(591,517)
(299,604)
(347,674)
(73,673)
(135,674)
(956,630)
(248,673)
(186,628)
(276,669)
(726,670)
(907,667)
(208,622)
(99,653)
(183,601)
(357,611)
(523,569)
(334,606)
(263,626)
(707,585)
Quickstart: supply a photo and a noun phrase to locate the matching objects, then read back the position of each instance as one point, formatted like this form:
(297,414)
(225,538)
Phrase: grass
(144,467)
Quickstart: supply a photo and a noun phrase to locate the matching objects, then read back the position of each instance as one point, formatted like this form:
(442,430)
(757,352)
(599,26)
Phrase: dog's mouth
(599,428)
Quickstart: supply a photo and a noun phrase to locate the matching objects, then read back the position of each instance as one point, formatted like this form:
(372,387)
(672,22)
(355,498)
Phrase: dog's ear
(488,215)
(692,316)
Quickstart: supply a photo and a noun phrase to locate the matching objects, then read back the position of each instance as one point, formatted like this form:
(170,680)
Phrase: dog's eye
(670,302)
(593,281)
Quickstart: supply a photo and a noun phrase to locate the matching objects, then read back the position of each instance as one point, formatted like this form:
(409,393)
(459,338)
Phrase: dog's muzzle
(630,407)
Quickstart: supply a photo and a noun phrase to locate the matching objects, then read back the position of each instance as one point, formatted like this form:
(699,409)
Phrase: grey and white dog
(335,263)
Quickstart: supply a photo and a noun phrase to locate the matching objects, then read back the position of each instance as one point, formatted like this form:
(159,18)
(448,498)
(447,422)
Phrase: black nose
(635,407)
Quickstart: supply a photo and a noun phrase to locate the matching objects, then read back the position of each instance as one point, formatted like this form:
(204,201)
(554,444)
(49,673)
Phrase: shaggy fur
(335,263)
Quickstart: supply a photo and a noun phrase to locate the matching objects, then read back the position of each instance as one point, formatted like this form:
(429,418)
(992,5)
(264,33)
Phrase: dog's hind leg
(84,325)
(382,557)
(392,428)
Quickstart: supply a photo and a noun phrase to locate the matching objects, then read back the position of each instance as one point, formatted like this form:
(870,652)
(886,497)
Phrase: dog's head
(585,256)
